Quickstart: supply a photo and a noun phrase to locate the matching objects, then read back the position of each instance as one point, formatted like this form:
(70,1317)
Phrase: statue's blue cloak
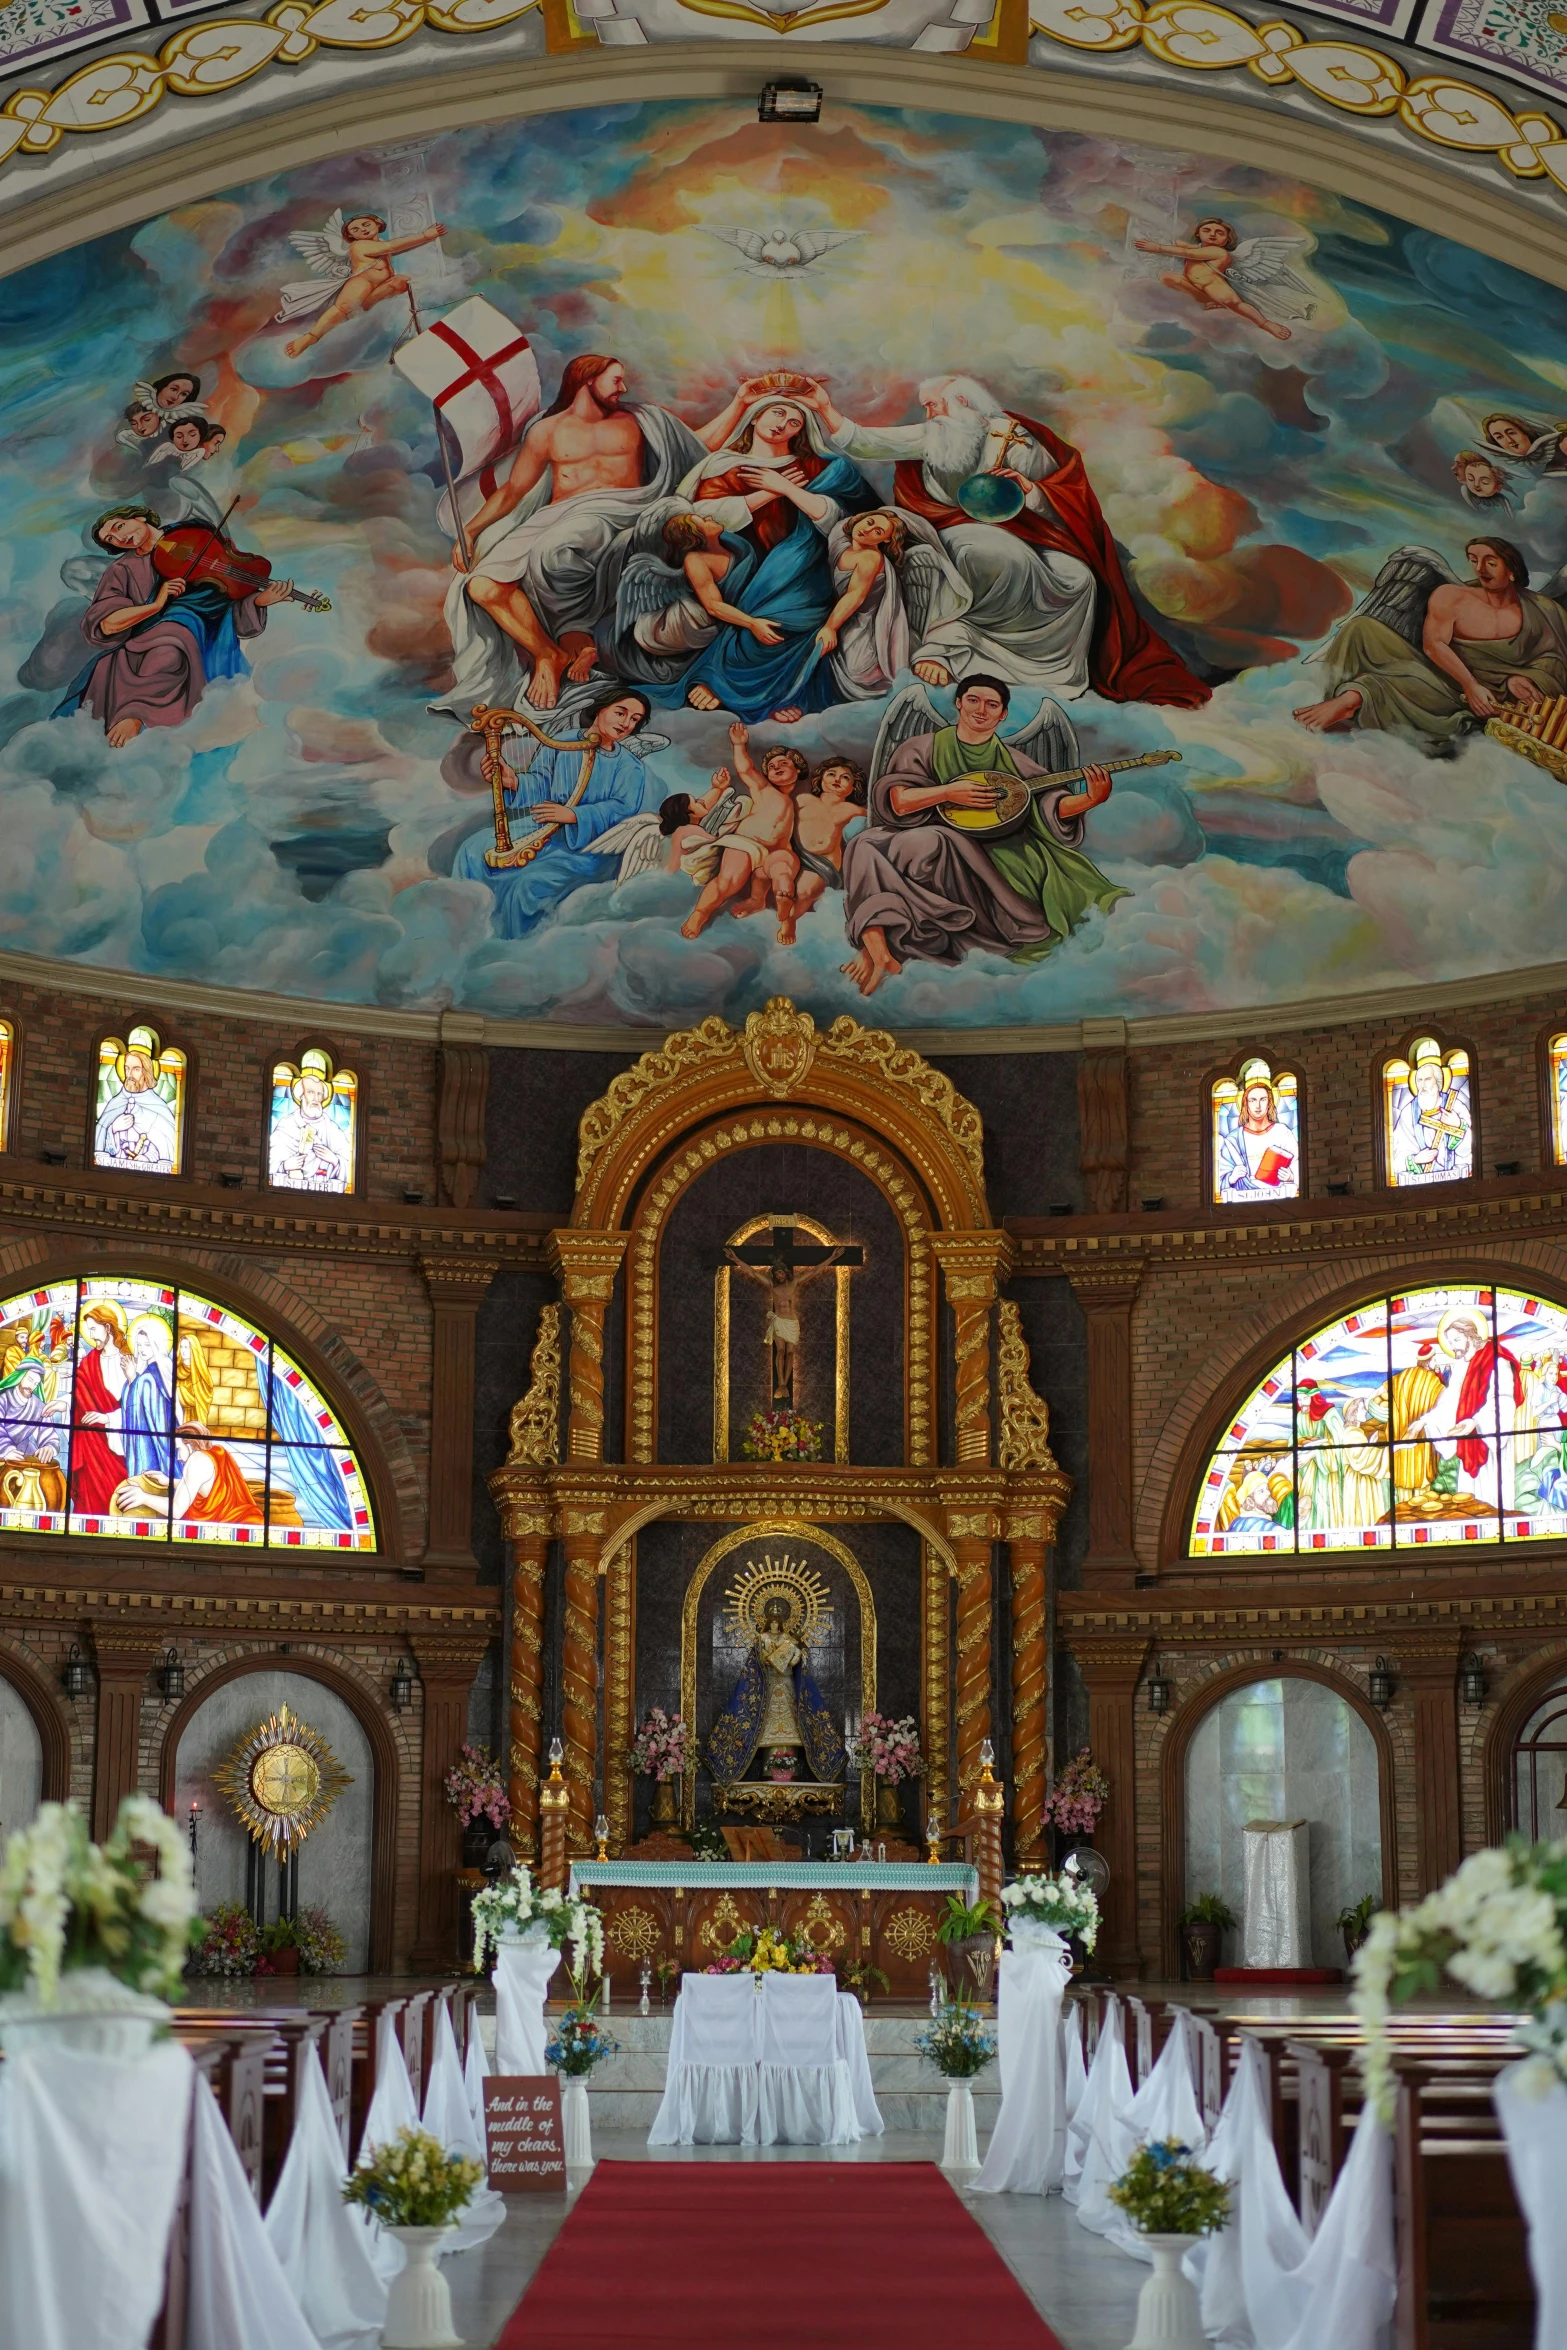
(737,1732)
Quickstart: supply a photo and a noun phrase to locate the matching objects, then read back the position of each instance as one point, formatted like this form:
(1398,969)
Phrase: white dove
(784,252)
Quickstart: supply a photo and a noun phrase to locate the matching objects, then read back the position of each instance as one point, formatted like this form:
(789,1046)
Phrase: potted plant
(1355,1924)
(416,2190)
(959,2046)
(1171,2201)
(891,1751)
(580,2042)
(858,1976)
(280,1948)
(477,1794)
(1076,1800)
(967,1934)
(658,1752)
(1039,1911)
(94,1938)
(229,1942)
(1203,1922)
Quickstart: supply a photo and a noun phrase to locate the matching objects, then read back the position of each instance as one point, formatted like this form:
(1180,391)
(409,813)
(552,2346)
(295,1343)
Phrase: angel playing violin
(1248,276)
(351,270)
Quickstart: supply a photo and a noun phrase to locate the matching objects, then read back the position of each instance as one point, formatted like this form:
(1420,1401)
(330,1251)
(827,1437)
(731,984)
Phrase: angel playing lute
(351,270)
(1249,276)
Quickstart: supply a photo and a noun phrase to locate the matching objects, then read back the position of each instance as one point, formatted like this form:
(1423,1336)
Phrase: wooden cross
(783,1266)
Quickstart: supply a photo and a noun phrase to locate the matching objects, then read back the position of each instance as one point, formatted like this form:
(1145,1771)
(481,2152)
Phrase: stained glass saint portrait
(1435,1416)
(139,1121)
(7,1065)
(312,1129)
(1428,1122)
(1556,1079)
(132,1410)
(1256,1136)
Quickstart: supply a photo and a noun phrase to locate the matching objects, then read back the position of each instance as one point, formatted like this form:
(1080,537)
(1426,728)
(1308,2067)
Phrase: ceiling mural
(1008,576)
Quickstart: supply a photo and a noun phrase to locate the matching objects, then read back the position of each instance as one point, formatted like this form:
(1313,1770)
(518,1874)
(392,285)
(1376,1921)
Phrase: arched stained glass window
(1256,1135)
(139,1107)
(1428,1416)
(1427,1115)
(1556,1089)
(146,1413)
(312,1124)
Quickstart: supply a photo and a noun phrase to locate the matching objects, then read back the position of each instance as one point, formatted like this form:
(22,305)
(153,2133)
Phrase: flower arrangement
(858,1976)
(410,2181)
(580,2040)
(1080,1794)
(322,1950)
(658,1750)
(782,1436)
(68,1904)
(475,1790)
(707,1842)
(890,1749)
(1499,1927)
(229,1942)
(1165,2191)
(957,2043)
(1063,1902)
(771,1952)
(514,1901)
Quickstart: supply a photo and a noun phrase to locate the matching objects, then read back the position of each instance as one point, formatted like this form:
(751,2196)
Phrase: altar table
(885,1912)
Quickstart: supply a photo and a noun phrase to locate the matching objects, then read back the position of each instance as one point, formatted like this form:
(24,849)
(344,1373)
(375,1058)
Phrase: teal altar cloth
(784,1876)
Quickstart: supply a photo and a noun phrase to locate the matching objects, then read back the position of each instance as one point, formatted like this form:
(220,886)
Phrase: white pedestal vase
(961,2150)
(419,2306)
(1168,2314)
(576,2127)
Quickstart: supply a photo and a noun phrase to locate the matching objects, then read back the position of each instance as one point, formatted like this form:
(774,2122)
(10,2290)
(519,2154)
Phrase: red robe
(770,523)
(96,1468)
(1127,661)
(1473,1453)
(228,1500)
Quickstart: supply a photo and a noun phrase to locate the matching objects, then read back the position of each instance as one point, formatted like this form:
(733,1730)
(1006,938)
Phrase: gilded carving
(1025,1416)
(619,1692)
(722,1923)
(535,1419)
(634,1933)
(820,1926)
(910,1934)
(779,1046)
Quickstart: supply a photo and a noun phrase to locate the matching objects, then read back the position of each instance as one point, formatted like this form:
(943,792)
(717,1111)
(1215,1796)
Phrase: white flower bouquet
(68,1905)
(516,1902)
(1499,1927)
(1061,1902)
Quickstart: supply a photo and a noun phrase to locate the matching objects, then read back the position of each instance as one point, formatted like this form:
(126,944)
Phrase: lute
(1016,791)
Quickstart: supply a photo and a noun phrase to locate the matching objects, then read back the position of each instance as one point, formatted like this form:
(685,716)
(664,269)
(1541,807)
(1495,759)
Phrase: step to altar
(626,2090)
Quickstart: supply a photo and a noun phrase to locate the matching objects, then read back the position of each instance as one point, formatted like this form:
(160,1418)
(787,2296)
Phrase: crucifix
(783,1266)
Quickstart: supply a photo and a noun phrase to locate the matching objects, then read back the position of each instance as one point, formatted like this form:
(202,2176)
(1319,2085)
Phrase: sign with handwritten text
(522,2127)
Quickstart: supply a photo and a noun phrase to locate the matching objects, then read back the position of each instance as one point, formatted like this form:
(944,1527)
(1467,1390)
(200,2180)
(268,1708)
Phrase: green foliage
(959,1922)
(1356,1920)
(411,2181)
(859,1976)
(957,2043)
(707,1842)
(282,1934)
(1209,1909)
(1165,2191)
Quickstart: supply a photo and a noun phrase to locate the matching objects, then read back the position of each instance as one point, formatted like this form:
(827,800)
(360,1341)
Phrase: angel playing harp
(1249,276)
(350,263)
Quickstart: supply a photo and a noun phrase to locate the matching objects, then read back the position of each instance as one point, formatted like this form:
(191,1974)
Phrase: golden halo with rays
(798,1585)
(282,1779)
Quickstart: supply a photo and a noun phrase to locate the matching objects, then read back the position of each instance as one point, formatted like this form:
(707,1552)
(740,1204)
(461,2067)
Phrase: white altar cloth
(1276,1859)
(522,1978)
(713,2081)
(1027,2148)
(756,2062)
(324,2244)
(91,2157)
(851,2047)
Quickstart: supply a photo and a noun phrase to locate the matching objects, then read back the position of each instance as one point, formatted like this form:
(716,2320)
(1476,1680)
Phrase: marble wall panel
(21,1762)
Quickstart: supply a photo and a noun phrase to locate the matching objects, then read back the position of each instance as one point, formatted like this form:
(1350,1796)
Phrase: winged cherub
(1248,276)
(350,264)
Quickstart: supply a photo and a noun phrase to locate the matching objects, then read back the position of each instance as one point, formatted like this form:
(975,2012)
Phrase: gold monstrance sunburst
(282,1779)
(791,1580)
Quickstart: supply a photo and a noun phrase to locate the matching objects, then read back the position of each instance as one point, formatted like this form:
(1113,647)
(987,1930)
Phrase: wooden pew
(412,2027)
(1463,2266)
(299,2042)
(233,2050)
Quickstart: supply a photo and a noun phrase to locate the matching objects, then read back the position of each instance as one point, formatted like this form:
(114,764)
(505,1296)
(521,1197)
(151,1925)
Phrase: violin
(204,556)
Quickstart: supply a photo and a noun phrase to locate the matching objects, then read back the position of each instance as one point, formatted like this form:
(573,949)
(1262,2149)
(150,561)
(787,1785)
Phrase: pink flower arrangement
(658,1750)
(474,1789)
(890,1749)
(1080,1794)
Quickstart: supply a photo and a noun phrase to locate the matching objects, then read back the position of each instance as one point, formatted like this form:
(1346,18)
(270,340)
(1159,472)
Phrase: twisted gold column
(972,1263)
(527,1671)
(971,1536)
(1030,1683)
(585,1264)
(579,1686)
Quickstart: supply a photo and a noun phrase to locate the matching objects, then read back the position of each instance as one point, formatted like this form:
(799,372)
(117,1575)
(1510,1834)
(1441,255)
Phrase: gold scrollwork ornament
(910,1934)
(634,1933)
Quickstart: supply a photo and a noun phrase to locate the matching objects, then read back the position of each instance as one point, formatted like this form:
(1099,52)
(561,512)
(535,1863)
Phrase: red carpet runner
(708,2255)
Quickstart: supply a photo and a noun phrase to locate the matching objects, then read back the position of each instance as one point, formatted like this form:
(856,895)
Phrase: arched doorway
(1538,1787)
(337,1861)
(21,1760)
(1286,1746)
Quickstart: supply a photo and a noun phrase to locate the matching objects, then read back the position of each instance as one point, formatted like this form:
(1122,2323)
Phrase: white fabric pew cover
(710,2090)
(1533,2111)
(1074,2070)
(1338,2292)
(522,1979)
(805,2093)
(1242,2143)
(1027,2150)
(323,2244)
(239,2298)
(1164,2107)
(448,2116)
(1099,2144)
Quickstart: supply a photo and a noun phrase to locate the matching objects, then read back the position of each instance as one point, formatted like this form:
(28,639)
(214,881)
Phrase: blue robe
(147,1421)
(793,585)
(732,1742)
(307,1468)
(524,894)
(205,612)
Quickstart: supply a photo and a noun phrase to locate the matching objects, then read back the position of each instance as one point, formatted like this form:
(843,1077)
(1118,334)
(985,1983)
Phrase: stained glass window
(1256,1136)
(1433,1416)
(7,1063)
(140,1107)
(146,1413)
(1556,1078)
(312,1127)
(1427,1115)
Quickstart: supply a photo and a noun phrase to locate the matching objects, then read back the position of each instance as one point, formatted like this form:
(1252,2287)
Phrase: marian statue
(775,1709)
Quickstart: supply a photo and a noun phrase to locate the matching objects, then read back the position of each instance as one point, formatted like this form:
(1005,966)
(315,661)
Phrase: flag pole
(446,461)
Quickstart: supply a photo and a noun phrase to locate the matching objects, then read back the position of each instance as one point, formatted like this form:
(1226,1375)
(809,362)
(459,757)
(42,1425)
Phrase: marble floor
(1086,2291)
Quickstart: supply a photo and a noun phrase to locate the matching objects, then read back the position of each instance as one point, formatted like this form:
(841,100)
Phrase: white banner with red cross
(479,372)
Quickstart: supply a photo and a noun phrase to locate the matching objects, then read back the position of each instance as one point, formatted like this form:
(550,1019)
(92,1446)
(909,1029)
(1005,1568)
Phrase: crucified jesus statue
(783,1271)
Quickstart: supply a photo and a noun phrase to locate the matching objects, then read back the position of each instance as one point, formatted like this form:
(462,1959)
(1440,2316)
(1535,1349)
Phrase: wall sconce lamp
(1158,1691)
(1380,1685)
(1471,1680)
(400,1689)
(76,1674)
(171,1675)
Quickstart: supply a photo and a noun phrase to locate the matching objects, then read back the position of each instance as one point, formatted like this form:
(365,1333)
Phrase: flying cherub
(350,265)
(1249,276)
(784,252)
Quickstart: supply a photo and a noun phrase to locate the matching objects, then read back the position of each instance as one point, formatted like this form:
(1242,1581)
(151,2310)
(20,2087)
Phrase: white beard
(955,445)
